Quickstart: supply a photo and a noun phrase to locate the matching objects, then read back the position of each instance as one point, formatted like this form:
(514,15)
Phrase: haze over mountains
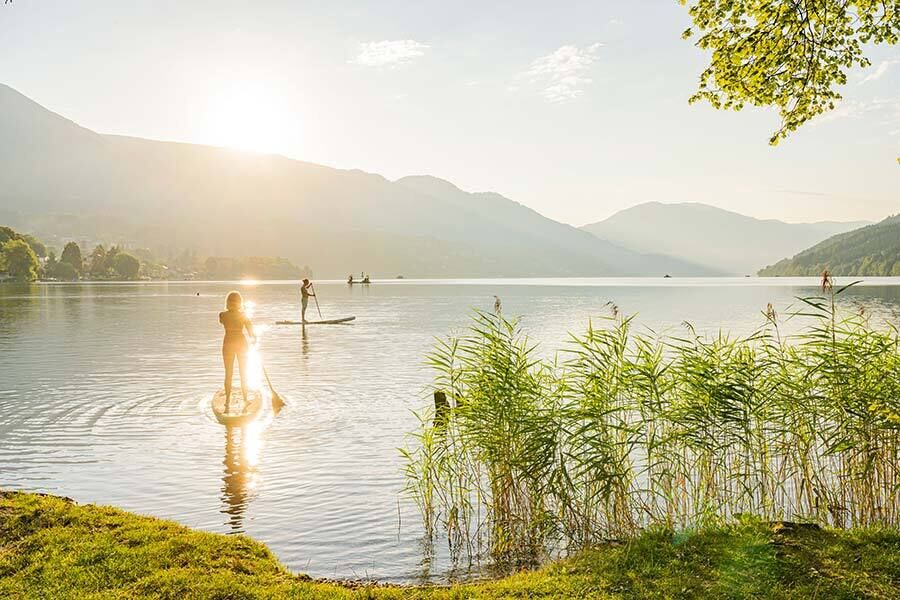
(55,175)
(60,179)
(718,239)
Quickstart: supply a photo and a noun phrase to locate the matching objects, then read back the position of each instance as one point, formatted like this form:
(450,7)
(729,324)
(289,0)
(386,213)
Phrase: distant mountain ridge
(57,178)
(872,251)
(722,240)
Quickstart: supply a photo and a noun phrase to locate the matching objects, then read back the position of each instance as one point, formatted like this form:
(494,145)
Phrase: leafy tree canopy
(20,260)
(37,245)
(125,265)
(72,255)
(64,271)
(789,54)
(7,234)
(97,263)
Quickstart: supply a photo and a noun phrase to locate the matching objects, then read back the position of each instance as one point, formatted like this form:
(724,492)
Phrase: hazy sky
(576,109)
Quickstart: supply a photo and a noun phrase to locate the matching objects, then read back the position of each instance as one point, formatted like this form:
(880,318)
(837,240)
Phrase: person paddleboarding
(305,292)
(235,345)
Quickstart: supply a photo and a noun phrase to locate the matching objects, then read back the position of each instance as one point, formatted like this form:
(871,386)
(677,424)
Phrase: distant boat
(364,281)
(667,276)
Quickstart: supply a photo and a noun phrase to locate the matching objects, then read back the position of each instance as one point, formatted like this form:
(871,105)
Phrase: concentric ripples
(105,396)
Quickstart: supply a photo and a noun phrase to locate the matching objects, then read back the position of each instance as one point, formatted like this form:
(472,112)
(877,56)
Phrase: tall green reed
(624,431)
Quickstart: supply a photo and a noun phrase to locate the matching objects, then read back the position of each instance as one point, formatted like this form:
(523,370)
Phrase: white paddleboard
(322,322)
(238,413)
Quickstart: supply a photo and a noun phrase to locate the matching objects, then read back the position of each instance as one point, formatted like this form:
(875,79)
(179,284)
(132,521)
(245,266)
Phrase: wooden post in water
(441,408)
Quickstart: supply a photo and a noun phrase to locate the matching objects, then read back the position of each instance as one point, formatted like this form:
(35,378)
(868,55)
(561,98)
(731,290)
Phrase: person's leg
(228,357)
(303,304)
(242,371)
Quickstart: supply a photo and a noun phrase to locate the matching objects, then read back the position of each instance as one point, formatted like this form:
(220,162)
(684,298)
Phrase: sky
(575,109)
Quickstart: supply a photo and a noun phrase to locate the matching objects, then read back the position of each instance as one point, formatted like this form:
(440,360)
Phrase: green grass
(54,548)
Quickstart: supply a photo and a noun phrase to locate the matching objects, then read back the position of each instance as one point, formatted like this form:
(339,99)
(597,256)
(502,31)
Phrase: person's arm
(249,326)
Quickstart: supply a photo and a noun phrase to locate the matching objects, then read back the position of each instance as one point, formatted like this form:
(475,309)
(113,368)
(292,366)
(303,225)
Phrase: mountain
(873,250)
(726,241)
(60,180)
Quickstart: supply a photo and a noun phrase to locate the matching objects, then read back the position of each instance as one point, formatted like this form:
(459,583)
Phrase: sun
(249,115)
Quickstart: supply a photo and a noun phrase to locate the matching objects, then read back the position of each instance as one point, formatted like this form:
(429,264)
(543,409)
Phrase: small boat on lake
(237,413)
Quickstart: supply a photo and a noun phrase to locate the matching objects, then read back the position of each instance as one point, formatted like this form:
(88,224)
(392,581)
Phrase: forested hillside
(873,250)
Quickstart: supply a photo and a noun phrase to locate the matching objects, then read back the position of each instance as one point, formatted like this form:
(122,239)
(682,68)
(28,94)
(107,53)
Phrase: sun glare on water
(254,359)
(249,116)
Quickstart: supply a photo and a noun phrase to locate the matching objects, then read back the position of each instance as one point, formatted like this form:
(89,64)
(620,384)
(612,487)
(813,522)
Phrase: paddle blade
(277,400)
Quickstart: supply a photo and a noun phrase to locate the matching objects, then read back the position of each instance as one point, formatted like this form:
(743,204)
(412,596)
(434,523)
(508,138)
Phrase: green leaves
(17,257)
(625,431)
(787,54)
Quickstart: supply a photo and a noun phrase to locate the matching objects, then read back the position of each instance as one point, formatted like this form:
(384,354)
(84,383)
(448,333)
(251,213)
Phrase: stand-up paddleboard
(238,413)
(321,322)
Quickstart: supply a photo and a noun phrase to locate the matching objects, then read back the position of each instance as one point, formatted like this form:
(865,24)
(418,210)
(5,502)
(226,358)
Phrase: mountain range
(59,180)
(717,239)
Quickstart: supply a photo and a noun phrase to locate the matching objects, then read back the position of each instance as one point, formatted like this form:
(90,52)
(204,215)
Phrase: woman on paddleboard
(235,344)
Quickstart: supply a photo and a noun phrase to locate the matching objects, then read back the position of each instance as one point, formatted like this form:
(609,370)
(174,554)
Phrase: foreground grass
(53,548)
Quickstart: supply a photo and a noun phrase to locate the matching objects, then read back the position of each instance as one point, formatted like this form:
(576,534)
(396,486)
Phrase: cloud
(880,70)
(887,109)
(389,53)
(562,73)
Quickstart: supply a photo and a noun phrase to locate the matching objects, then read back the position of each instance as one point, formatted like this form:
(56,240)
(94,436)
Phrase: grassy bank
(53,548)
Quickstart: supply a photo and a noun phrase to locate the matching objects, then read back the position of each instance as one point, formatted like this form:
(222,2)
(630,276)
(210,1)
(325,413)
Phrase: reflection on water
(105,397)
(243,445)
(239,480)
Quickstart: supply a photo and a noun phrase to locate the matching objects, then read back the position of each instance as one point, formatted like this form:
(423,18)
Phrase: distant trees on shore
(25,258)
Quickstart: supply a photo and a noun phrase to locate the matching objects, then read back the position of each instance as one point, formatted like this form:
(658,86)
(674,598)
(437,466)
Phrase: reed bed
(625,431)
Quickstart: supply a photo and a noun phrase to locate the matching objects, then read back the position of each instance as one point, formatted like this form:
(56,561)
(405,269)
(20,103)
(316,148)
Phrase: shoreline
(51,546)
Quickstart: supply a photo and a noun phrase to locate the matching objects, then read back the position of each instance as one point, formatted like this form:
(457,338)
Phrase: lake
(105,393)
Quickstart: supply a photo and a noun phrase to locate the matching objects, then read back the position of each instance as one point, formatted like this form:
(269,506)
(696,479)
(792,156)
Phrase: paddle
(277,401)
(316,298)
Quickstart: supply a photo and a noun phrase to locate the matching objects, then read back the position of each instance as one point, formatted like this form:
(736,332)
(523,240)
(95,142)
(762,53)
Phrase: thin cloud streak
(562,74)
(880,70)
(389,53)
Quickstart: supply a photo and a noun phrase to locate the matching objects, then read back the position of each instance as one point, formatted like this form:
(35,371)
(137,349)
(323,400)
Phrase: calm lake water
(105,394)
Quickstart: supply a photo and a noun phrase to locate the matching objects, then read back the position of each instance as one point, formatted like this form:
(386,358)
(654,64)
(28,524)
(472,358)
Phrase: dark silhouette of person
(305,293)
(235,345)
